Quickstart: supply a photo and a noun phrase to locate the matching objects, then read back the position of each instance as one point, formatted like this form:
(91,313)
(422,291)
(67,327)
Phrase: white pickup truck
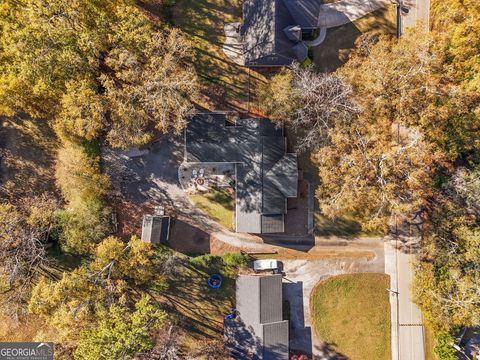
(265,265)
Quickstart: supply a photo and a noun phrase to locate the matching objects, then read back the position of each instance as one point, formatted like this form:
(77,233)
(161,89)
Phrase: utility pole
(398,4)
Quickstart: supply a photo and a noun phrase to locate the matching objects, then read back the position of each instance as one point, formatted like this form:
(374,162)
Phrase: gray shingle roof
(273,224)
(284,175)
(155,228)
(256,146)
(293,32)
(275,341)
(260,306)
(304,12)
(272,29)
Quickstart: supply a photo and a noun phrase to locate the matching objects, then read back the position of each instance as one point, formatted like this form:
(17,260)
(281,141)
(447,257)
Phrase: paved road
(418,11)
(406,318)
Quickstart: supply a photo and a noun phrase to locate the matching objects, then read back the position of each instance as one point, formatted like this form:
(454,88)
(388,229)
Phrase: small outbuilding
(155,228)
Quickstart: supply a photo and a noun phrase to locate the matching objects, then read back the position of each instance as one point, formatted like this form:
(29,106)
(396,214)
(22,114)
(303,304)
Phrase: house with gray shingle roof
(259,328)
(273,31)
(265,174)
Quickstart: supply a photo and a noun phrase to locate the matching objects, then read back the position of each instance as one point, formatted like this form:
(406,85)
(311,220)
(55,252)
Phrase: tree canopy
(24,232)
(77,300)
(93,67)
(120,334)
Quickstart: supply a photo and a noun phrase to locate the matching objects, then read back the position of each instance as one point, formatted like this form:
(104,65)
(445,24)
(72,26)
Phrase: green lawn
(218,204)
(334,51)
(352,314)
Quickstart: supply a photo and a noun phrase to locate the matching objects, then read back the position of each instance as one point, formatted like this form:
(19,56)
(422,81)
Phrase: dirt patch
(129,215)
(27,153)
(188,239)
(218,247)
(24,330)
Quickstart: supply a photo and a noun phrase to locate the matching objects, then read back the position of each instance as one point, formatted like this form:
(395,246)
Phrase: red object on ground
(299,356)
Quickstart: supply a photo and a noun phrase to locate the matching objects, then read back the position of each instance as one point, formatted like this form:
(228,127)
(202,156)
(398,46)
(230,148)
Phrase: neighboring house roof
(155,228)
(266,175)
(272,30)
(260,308)
(304,12)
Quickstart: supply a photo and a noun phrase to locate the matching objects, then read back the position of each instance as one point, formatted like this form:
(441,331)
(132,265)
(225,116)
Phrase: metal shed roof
(155,228)
(260,306)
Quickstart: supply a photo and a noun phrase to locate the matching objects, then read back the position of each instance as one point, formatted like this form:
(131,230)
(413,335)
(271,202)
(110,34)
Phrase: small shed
(155,228)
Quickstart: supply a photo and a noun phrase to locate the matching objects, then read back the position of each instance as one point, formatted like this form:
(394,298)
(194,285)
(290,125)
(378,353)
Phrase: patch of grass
(339,227)
(429,343)
(218,204)
(226,265)
(345,226)
(339,42)
(352,314)
(226,84)
(200,309)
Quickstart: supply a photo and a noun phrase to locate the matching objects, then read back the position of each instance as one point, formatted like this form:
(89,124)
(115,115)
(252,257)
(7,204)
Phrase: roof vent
(293,32)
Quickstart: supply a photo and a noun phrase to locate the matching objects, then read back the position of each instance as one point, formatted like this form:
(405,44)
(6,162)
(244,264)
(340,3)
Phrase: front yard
(352,314)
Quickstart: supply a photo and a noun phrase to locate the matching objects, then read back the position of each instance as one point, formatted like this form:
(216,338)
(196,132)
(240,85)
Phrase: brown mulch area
(129,215)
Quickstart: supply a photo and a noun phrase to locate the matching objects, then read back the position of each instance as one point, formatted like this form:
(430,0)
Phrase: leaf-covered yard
(197,309)
(226,85)
(340,41)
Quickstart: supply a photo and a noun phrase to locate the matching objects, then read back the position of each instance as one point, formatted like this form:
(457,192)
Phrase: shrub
(444,348)
(86,219)
(235,259)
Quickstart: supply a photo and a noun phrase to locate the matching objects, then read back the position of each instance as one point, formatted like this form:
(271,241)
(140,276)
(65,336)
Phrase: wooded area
(395,134)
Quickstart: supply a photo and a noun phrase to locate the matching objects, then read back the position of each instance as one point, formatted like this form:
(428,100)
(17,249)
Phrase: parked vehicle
(265,265)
